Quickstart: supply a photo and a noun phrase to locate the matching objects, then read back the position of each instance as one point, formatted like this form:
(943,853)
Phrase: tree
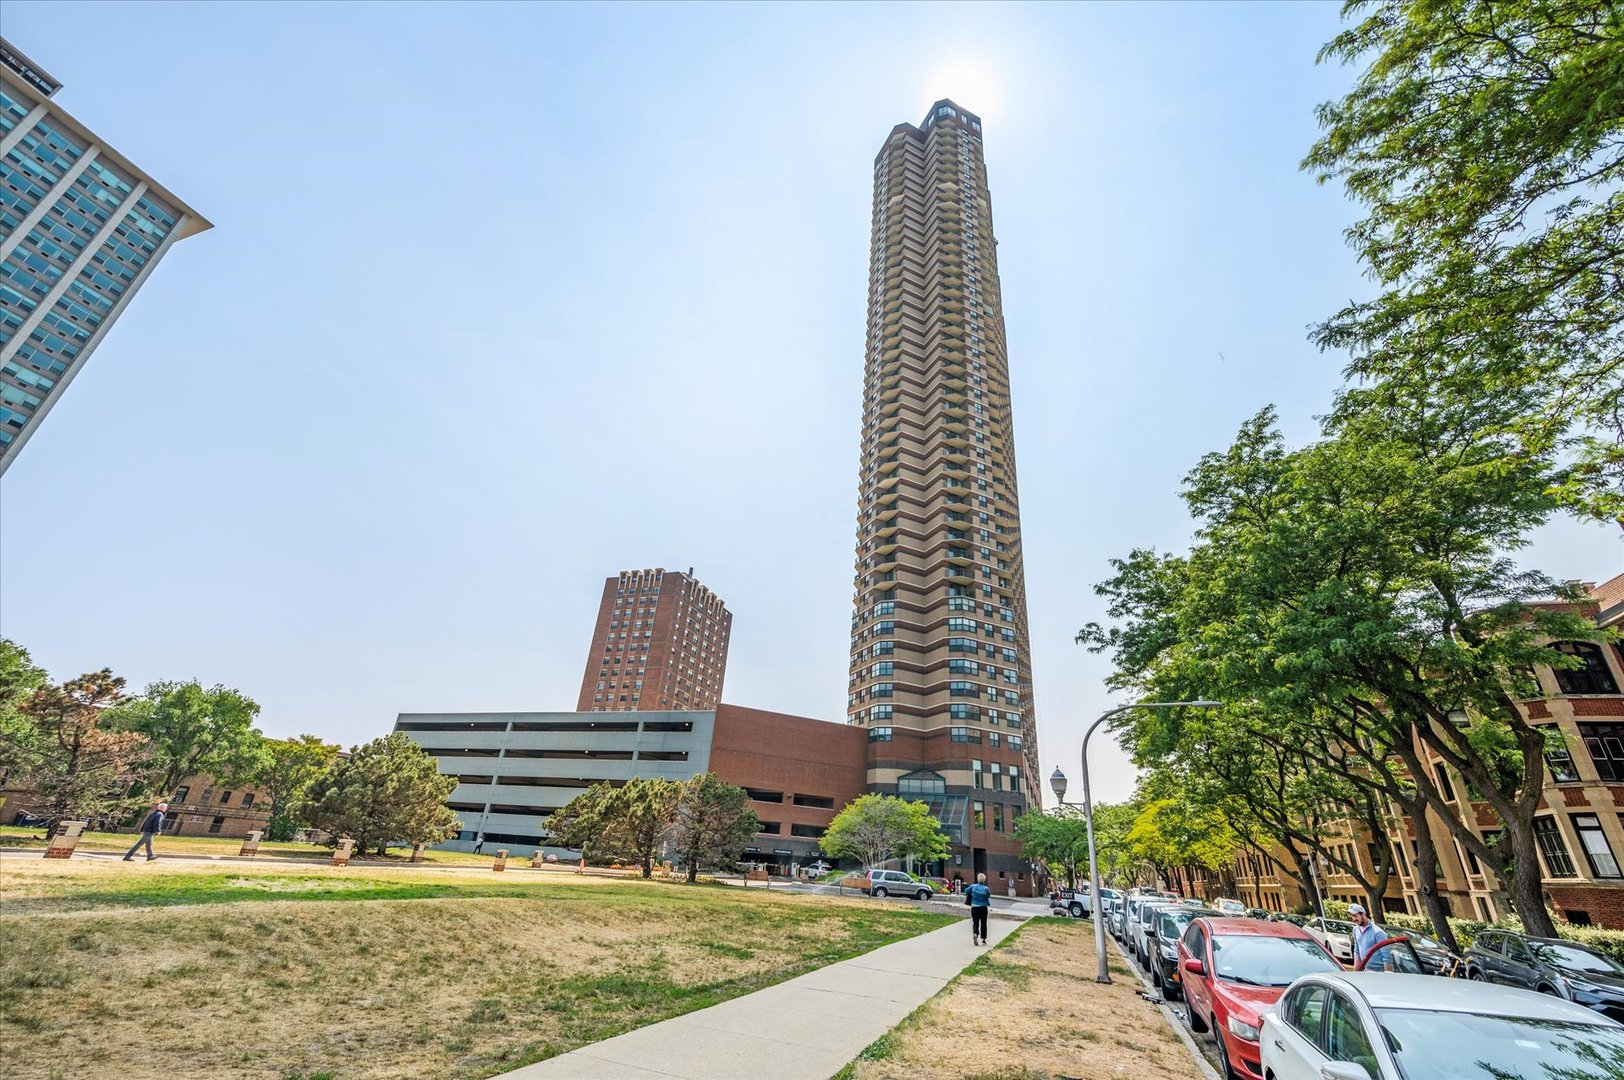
(82,771)
(582,822)
(874,829)
(388,790)
(194,731)
(1485,139)
(19,678)
(286,769)
(1356,595)
(713,822)
(1058,839)
(640,818)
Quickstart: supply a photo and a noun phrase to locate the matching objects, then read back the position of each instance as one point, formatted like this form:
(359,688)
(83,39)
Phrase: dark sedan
(1555,966)
(1163,946)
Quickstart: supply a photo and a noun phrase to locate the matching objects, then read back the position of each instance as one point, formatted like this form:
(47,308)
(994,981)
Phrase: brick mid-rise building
(660,643)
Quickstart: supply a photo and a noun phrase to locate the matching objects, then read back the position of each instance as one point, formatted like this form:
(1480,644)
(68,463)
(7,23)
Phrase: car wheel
(881,893)
(922,894)
(1475,975)
(1197,1025)
(1543,989)
(1156,976)
(1076,910)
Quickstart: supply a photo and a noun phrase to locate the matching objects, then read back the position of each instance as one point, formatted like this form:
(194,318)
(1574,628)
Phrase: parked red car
(1234,970)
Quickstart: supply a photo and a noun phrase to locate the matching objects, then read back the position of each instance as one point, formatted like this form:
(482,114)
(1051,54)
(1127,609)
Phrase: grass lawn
(146,970)
(12,836)
(1030,1009)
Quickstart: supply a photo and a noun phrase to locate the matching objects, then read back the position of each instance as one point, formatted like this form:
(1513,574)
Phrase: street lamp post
(1058,783)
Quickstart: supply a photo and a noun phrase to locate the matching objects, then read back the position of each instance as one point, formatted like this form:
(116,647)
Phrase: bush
(1609,943)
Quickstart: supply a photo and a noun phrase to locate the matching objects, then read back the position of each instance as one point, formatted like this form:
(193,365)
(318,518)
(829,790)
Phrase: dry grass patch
(14,836)
(455,986)
(1031,1010)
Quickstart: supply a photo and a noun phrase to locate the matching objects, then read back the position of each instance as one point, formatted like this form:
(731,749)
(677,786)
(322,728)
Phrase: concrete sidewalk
(803,1029)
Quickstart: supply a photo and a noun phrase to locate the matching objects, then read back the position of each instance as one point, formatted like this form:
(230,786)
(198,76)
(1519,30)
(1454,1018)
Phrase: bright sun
(969,82)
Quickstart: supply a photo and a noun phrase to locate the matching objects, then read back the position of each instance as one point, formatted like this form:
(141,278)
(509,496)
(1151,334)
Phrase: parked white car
(1335,935)
(1382,1026)
(1234,909)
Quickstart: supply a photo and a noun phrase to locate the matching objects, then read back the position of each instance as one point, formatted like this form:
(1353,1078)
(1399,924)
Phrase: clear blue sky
(502,299)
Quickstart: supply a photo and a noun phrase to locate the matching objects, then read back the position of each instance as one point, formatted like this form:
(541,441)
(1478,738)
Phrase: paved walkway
(803,1029)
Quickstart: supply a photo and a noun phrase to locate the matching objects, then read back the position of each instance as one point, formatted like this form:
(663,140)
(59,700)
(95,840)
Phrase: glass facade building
(80,230)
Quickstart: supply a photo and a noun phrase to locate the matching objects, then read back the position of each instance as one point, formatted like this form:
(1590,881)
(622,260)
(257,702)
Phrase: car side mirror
(1343,1070)
(1196,967)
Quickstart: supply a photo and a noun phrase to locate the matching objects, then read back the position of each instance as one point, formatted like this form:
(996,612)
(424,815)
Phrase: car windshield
(1462,1046)
(1268,961)
(1574,958)
(1337,926)
(1173,923)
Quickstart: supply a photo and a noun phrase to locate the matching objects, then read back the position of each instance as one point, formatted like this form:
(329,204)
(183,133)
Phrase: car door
(1299,1036)
(1197,988)
(1517,967)
(1345,1036)
(1485,956)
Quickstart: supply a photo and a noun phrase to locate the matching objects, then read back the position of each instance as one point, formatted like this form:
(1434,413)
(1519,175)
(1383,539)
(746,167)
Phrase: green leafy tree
(1118,863)
(873,829)
(1485,140)
(20,740)
(1354,594)
(193,731)
(713,822)
(388,790)
(83,771)
(1058,839)
(287,767)
(582,822)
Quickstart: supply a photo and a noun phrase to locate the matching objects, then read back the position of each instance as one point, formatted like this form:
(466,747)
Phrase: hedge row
(1607,942)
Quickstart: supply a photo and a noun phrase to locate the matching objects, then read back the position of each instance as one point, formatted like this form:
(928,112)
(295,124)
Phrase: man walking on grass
(152,826)
(979,897)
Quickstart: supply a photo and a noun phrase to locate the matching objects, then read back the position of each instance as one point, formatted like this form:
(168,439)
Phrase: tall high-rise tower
(940,667)
(80,230)
(660,644)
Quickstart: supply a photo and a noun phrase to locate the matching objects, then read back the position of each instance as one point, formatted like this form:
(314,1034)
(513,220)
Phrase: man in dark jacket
(151,827)
(979,897)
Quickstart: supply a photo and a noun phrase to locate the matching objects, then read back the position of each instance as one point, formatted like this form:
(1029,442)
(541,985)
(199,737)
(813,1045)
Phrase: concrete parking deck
(804,1029)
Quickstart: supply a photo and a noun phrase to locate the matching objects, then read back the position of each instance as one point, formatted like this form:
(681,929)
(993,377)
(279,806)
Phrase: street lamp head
(1057,783)
(1205,704)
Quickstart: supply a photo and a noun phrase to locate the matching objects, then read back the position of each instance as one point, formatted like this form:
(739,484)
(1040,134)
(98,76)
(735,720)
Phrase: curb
(1201,1062)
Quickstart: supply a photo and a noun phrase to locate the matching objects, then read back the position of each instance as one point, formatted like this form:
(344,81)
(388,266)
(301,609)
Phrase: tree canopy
(1485,141)
(387,790)
(194,731)
(713,822)
(874,829)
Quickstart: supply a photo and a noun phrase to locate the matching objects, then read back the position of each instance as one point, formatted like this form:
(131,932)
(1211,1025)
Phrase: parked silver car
(883,883)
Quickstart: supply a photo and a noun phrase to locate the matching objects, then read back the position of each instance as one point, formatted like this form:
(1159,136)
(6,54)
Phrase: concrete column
(48,301)
(417,852)
(501,860)
(250,844)
(341,854)
(64,839)
(537,860)
(48,200)
(24,126)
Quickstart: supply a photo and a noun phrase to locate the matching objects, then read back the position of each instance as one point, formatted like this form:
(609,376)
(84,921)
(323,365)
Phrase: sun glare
(969,82)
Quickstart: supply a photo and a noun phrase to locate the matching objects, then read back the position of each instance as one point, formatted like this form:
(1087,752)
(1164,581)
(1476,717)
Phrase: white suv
(886,882)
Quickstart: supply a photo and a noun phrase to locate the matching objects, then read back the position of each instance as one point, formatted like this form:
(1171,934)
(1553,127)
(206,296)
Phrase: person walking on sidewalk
(1366,936)
(152,826)
(979,897)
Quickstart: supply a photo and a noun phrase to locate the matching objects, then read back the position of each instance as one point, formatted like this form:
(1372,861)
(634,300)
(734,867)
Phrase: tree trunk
(1426,858)
(693,871)
(1526,889)
(648,864)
